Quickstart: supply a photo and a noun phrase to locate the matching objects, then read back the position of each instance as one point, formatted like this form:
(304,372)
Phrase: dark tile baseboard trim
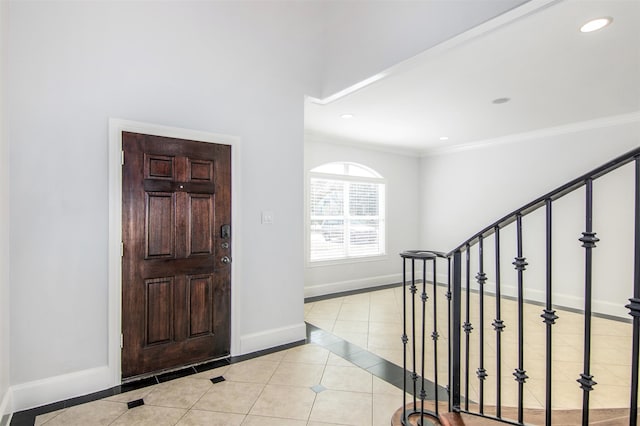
(350,292)
(364,359)
(27,417)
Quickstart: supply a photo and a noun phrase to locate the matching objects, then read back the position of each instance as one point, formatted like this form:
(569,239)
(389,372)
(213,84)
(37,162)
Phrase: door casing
(116,127)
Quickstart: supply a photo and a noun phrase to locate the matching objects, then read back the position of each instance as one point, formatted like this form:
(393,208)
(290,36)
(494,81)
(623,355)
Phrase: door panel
(159,309)
(200,171)
(158,167)
(175,290)
(200,223)
(200,315)
(160,227)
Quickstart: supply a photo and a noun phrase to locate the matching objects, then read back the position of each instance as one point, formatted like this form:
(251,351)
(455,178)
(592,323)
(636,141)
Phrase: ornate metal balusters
(405,338)
(520,264)
(589,241)
(498,326)
(481,278)
(549,316)
(412,408)
(634,305)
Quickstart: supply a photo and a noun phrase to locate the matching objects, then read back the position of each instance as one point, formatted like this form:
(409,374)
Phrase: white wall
(465,191)
(4,226)
(365,38)
(236,68)
(401,174)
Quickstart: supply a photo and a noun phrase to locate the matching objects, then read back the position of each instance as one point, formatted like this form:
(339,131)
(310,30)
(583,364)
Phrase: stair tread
(532,416)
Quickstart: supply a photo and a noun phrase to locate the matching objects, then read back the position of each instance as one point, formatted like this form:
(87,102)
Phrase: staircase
(484,351)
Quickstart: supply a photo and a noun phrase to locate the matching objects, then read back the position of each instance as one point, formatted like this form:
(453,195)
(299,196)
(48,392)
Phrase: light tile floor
(272,390)
(374,321)
(282,388)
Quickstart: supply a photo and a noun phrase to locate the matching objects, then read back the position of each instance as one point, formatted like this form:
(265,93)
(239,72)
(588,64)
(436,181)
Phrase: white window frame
(382,209)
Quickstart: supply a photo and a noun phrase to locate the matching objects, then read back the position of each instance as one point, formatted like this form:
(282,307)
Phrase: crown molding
(564,129)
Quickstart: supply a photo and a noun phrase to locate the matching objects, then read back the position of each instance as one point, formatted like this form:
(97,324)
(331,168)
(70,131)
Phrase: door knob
(226,260)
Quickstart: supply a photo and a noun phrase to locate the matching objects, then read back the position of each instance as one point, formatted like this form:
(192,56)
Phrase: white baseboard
(442,278)
(559,299)
(41,392)
(340,286)
(573,302)
(6,408)
(59,388)
(270,338)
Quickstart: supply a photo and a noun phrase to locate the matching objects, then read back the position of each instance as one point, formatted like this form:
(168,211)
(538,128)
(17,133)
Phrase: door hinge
(121,341)
(122,157)
(121,249)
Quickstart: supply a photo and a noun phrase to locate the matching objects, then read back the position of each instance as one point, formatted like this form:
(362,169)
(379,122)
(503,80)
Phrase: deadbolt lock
(225,232)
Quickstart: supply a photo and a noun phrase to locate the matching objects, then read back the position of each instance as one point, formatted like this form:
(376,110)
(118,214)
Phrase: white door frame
(116,127)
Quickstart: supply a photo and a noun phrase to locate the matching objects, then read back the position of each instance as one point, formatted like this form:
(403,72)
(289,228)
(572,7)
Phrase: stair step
(532,416)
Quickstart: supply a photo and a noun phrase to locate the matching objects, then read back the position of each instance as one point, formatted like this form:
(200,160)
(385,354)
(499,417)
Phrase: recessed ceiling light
(347,116)
(444,138)
(596,24)
(500,101)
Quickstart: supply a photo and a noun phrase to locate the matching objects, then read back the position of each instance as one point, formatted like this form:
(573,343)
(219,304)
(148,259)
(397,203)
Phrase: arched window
(346,212)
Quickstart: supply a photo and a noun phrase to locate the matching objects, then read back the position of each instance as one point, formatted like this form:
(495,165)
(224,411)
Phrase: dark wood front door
(176,280)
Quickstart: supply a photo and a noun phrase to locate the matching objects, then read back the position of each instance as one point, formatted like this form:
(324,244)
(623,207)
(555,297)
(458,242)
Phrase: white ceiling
(553,74)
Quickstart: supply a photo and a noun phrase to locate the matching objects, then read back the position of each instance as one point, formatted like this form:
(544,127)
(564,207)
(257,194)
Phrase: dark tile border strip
(374,364)
(350,292)
(364,359)
(27,417)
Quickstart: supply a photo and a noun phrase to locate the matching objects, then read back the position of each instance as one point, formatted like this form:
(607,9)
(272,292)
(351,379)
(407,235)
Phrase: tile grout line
(315,397)
(114,420)
(188,410)
(279,362)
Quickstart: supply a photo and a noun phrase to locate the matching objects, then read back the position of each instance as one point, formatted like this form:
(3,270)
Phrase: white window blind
(346,215)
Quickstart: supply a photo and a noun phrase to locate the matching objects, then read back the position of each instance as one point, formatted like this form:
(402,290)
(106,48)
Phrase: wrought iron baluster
(434,335)
(589,241)
(498,326)
(467,329)
(405,339)
(454,360)
(413,289)
(520,264)
(549,316)
(481,278)
(634,305)
(423,297)
(449,321)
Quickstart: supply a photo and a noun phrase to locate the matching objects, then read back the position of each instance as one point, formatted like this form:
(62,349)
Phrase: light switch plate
(267,217)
